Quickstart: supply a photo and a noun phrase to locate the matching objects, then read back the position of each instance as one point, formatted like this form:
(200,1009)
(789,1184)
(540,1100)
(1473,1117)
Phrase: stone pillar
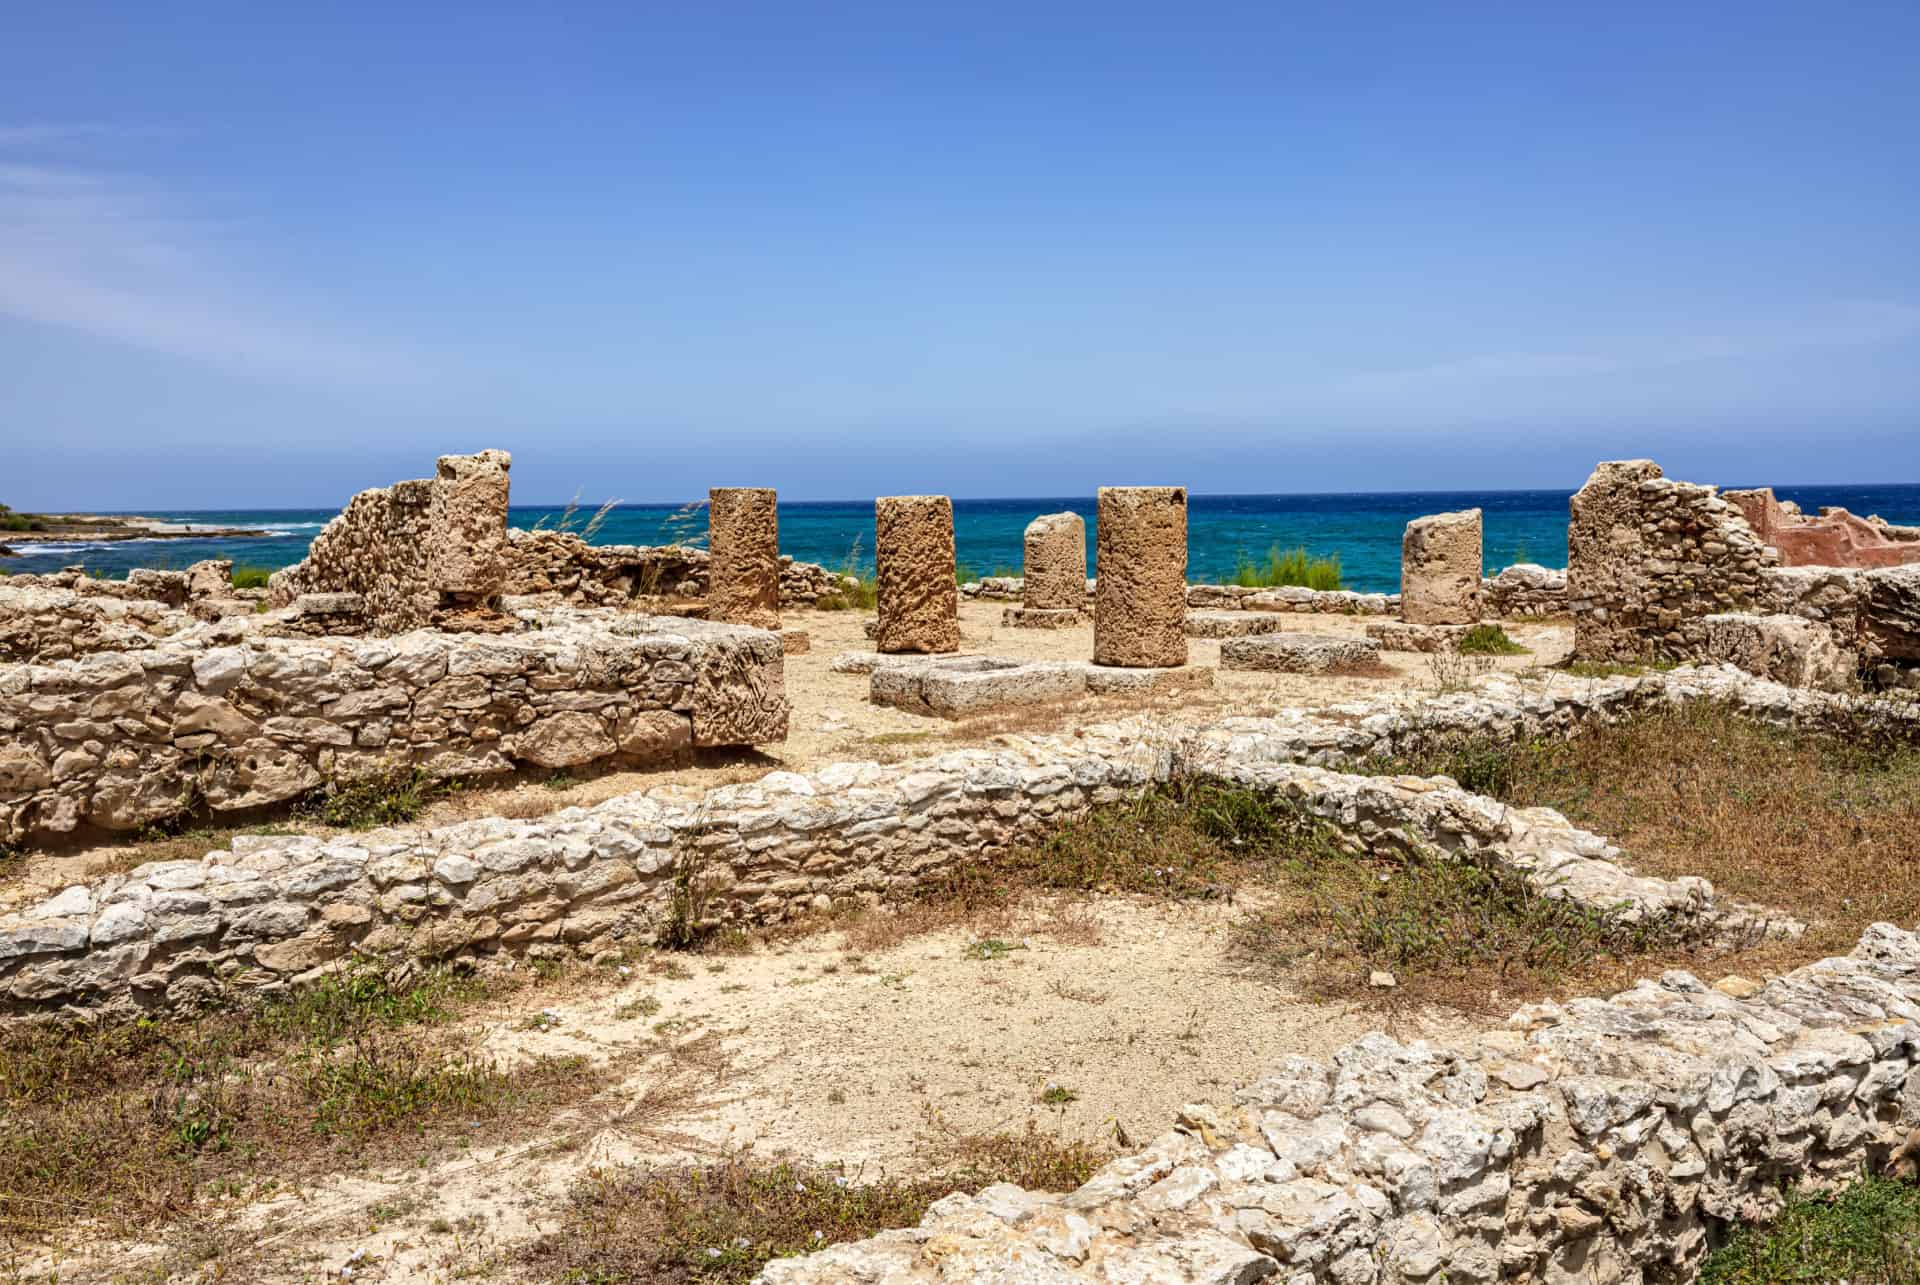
(466,557)
(1056,563)
(1140,590)
(918,601)
(743,573)
(1440,569)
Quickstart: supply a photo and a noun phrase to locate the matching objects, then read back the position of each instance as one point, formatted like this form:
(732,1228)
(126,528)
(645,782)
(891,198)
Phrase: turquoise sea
(1364,530)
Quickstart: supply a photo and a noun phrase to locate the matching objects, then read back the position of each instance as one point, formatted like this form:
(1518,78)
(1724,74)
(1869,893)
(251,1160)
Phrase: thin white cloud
(123,260)
(1845,325)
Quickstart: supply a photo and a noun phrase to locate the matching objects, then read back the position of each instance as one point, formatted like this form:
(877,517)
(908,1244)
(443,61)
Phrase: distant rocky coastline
(18,529)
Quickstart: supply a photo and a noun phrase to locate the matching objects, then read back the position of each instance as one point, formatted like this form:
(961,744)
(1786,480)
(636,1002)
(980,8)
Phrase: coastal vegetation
(247,576)
(1868,1233)
(11,521)
(1295,567)
(1489,640)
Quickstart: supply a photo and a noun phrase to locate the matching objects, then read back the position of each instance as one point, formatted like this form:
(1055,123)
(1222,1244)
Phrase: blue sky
(268,254)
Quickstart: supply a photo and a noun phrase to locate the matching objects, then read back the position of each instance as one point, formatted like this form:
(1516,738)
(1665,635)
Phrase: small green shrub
(1489,640)
(1287,567)
(859,588)
(393,797)
(251,577)
(1867,1233)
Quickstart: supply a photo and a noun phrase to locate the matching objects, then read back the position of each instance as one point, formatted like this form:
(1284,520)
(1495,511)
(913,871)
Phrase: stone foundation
(1785,649)
(743,585)
(1140,596)
(1396,635)
(558,568)
(1041,618)
(1232,624)
(120,740)
(274,908)
(1525,590)
(918,602)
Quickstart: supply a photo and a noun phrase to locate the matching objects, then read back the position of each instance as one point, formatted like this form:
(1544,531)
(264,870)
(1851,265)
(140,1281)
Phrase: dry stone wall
(119,740)
(559,568)
(1597,1141)
(271,909)
(47,624)
(1649,558)
(417,552)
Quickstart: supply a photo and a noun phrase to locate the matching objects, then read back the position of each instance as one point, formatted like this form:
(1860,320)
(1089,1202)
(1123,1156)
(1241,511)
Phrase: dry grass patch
(1819,824)
(129,1126)
(720,1223)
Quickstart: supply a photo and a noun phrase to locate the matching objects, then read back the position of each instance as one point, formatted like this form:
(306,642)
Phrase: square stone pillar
(918,599)
(743,572)
(1140,590)
(466,543)
(1056,563)
(1440,569)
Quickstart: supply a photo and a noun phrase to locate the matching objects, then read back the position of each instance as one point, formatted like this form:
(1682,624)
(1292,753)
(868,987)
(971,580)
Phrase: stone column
(1440,569)
(1140,590)
(743,573)
(467,548)
(918,600)
(1056,563)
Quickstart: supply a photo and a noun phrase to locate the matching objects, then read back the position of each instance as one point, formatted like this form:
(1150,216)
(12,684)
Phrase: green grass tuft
(1489,640)
(251,577)
(1287,567)
(393,797)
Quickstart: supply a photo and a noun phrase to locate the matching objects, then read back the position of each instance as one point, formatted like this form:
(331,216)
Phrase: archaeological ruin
(918,607)
(1607,1138)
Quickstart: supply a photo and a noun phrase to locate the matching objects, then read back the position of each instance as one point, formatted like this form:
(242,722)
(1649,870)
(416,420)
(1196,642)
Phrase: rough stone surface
(1298,653)
(1232,624)
(1525,589)
(919,603)
(119,740)
(1786,649)
(1649,558)
(1891,624)
(587,878)
(743,536)
(1056,563)
(1606,1140)
(1140,597)
(558,568)
(417,552)
(1440,569)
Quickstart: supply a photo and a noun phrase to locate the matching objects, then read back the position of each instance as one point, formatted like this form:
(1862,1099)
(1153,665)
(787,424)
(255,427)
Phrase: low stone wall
(560,568)
(119,740)
(273,908)
(47,624)
(1523,590)
(1597,1141)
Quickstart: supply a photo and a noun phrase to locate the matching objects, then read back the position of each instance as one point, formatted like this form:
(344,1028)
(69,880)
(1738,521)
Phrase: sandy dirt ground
(834,721)
(813,1049)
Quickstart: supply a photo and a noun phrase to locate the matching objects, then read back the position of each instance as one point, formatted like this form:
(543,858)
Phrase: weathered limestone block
(743,536)
(1233,624)
(1890,623)
(1788,650)
(1042,618)
(1440,569)
(1398,635)
(1298,653)
(918,600)
(212,578)
(467,556)
(1140,595)
(1056,563)
(957,686)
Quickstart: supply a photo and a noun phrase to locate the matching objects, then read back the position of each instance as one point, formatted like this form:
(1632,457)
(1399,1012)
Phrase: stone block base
(1043,618)
(1404,635)
(1113,680)
(1232,624)
(1298,653)
(953,688)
